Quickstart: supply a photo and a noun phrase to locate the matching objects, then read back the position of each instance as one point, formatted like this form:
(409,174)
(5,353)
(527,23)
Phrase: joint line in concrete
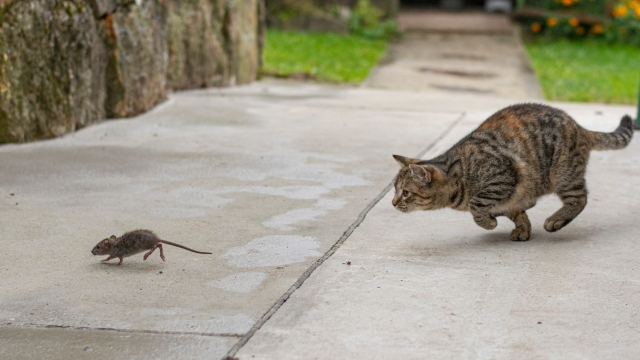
(275,307)
(137,331)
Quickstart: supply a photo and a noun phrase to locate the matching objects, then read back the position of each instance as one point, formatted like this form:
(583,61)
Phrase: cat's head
(417,186)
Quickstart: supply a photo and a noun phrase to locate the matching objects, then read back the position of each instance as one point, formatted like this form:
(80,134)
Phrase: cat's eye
(405,193)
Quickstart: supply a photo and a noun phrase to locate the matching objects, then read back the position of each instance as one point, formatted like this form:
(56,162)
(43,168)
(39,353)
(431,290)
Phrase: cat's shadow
(497,238)
(130,266)
(501,239)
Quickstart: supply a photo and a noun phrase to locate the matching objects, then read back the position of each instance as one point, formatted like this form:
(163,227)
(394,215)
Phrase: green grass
(321,56)
(587,71)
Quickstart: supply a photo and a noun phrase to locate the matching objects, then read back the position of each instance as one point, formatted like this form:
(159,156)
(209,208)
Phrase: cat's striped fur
(518,154)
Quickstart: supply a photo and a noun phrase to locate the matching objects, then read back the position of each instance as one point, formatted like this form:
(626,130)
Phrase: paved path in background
(457,53)
(474,22)
(276,180)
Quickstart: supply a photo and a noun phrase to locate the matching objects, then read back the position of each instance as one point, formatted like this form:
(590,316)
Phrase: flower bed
(614,21)
(625,26)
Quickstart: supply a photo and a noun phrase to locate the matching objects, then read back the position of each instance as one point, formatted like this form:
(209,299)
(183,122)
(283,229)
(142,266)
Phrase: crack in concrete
(137,331)
(283,299)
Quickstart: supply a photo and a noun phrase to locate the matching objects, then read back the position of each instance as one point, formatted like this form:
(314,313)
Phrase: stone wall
(67,63)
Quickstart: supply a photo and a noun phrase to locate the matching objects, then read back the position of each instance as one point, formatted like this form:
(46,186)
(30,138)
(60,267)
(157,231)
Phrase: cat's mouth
(414,207)
(402,208)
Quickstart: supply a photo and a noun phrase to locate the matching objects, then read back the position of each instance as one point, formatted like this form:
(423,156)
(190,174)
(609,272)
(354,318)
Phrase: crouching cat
(517,155)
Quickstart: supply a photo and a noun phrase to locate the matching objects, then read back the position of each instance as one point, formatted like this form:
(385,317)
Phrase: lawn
(587,71)
(320,56)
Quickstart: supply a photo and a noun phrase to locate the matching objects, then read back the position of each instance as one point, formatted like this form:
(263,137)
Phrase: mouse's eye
(98,247)
(405,193)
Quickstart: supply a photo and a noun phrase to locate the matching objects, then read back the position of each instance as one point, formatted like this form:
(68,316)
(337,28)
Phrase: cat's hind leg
(574,198)
(522,232)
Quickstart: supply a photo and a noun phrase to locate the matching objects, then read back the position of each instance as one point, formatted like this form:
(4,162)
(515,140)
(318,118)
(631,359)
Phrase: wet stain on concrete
(273,250)
(243,282)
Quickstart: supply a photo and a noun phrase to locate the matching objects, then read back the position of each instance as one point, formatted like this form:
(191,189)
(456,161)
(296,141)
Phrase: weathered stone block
(67,63)
(242,22)
(137,58)
(50,69)
(195,45)
(102,8)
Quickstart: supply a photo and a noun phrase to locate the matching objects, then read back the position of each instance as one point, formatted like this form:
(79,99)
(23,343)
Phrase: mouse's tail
(183,247)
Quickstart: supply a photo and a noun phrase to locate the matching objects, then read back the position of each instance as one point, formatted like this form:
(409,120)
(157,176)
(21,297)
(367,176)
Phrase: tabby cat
(517,155)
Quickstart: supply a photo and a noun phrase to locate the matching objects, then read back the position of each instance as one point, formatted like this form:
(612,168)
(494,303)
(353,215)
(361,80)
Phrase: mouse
(131,243)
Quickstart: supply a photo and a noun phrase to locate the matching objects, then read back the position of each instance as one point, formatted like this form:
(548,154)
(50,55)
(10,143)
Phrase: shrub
(366,20)
(625,26)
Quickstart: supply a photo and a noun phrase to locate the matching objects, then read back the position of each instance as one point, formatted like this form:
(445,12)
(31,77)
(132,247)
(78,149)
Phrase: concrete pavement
(470,22)
(269,177)
(433,285)
(457,53)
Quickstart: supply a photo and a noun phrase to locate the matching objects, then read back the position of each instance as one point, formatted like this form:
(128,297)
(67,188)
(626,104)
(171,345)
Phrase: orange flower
(552,21)
(597,29)
(620,11)
(634,4)
(638,12)
(567,2)
(574,22)
(536,27)
(580,30)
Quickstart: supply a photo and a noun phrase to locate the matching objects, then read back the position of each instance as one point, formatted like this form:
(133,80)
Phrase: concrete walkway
(276,180)
(470,22)
(457,53)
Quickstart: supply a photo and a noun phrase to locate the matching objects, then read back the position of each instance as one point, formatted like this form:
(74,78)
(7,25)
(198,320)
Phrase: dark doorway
(438,4)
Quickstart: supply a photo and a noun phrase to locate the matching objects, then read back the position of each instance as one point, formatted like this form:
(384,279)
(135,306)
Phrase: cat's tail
(615,140)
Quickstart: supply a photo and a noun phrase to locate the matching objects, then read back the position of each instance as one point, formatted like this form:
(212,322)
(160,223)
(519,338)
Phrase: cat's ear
(420,173)
(404,161)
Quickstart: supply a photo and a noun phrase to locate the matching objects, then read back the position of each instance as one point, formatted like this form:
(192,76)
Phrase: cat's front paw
(553,224)
(486,222)
(520,234)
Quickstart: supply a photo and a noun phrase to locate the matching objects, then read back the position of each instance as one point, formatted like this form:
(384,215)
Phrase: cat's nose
(394,202)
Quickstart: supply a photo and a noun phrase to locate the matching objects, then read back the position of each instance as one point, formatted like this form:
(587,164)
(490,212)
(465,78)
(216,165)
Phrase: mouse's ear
(113,237)
(106,241)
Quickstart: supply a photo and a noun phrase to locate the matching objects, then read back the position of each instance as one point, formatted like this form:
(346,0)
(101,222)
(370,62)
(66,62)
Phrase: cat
(517,155)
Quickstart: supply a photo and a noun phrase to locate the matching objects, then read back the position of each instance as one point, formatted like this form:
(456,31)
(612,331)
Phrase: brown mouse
(132,243)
